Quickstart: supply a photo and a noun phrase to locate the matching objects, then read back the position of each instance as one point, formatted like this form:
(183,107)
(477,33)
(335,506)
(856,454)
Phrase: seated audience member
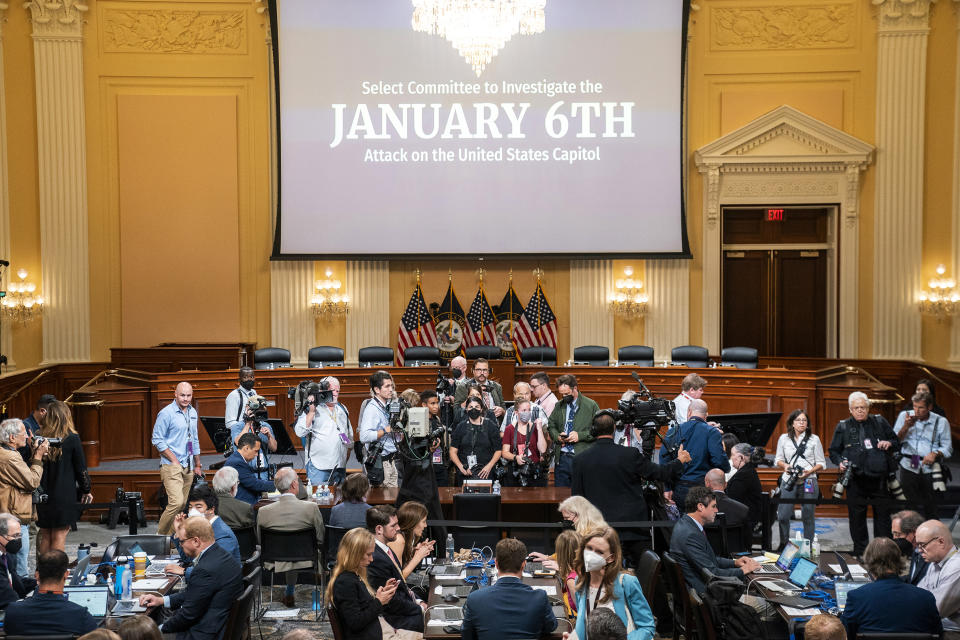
(289,514)
(689,545)
(603,584)
(605,625)
(408,545)
(100,634)
(236,513)
(510,608)
(203,502)
(12,586)
(889,605)
(352,512)
(943,568)
(727,441)
(358,607)
(583,515)
(139,628)
(201,610)
(903,527)
(47,611)
(404,611)
(736,513)
(744,486)
(248,445)
(567,547)
(824,627)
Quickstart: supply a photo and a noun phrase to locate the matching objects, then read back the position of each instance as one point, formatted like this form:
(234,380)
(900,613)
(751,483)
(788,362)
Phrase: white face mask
(593,561)
(194,512)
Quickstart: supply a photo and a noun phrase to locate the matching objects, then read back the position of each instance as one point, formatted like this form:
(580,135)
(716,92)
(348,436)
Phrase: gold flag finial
(538,272)
(449,275)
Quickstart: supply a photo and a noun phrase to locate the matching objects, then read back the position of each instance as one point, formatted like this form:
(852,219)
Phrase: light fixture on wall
(327,300)
(21,303)
(628,299)
(940,299)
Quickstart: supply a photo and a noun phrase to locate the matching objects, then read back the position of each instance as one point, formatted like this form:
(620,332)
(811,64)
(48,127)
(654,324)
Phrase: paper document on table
(854,569)
(149,584)
(770,584)
(549,590)
(281,613)
(764,559)
(801,613)
(437,622)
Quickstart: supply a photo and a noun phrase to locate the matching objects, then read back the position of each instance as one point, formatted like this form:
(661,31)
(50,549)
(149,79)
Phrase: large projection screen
(469,128)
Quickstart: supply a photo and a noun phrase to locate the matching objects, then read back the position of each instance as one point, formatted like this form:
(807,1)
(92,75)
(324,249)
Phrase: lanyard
(596,598)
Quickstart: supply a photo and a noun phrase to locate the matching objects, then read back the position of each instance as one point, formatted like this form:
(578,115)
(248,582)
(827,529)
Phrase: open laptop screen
(802,572)
(93,598)
(790,551)
(843,588)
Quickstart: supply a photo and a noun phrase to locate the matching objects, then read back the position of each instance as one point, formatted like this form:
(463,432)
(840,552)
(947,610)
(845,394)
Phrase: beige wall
(178,135)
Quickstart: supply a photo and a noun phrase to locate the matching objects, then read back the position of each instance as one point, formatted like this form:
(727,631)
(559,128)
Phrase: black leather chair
(375,357)
(740,357)
(238,622)
(246,540)
(271,358)
(476,506)
(648,570)
(154,545)
(635,356)
(593,355)
(421,357)
(690,355)
(293,546)
(325,357)
(706,629)
(539,356)
(331,543)
(483,351)
(684,623)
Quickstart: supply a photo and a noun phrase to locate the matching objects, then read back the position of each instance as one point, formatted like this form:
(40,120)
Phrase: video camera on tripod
(300,394)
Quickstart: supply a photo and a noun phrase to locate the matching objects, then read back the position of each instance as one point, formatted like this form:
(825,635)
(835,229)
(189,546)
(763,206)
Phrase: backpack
(733,619)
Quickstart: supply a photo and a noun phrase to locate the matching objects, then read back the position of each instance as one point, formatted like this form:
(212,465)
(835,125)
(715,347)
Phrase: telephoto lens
(936,476)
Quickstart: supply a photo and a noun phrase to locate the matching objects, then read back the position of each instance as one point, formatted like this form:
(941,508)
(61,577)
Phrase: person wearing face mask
(475,446)
(569,425)
(239,420)
(492,391)
(203,503)
(744,486)
(524,447)
(798,448)
(12,586)
(201,610)
(521,391)
(866,442)
(602,584)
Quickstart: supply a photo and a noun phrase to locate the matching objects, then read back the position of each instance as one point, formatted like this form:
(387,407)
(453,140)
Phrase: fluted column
(955,333)
(668,320)
(368,282)
(6,342)
(591,322)
(62,178)
(291,321)
(898,237)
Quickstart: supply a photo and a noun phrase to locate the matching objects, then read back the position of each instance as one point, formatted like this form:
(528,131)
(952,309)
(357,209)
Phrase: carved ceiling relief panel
(162,31)
(782,27)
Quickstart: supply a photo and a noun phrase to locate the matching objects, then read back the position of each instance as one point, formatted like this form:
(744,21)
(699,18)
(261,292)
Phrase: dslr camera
(444,386)
(53,442)
(321,392)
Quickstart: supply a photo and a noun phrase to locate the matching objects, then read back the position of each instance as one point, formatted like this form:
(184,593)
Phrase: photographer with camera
(240,418)
(475,446)
(491,391)
(865,443)
(522,391)
(326,426)
(175,437)
(375,431)
(19,481)
(926,443)
(524,448)
(800,455)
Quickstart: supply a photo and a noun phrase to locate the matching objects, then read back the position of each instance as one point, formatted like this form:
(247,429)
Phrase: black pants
(918,487)
(860,492)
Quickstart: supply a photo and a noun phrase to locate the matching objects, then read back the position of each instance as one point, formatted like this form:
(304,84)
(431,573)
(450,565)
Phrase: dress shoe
(289,602)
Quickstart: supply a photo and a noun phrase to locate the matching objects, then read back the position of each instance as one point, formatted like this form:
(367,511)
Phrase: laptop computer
(845,570)
(93,598)
(784,561)
(446,570)
(459,590)
(80,571)
(798,579)
(842,588)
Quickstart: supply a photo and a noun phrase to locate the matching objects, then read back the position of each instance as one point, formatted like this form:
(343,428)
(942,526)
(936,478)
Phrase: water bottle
(82,552)
(127,579)
(450,549)
(309,489)
(815,549)
(121,568)
(496,487)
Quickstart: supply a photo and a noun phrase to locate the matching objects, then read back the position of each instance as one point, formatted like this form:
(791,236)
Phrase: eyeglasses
(923,545)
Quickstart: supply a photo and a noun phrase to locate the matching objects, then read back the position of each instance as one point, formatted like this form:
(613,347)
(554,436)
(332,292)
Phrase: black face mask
(247,384)
(13,546)
(566,524)
(456,373)
(474,413)
(567,399)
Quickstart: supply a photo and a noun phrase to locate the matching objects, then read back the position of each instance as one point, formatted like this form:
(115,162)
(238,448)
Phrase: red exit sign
(774,215)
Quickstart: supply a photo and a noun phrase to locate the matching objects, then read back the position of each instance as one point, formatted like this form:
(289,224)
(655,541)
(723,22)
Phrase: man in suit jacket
(734,512)
(904,524)
(250,485)
(569,424)
(492,391)
(236,513)
(201,610)
(611,477)
(47,611)
(404,611)
(289,514)
(688,542)
(508,609)
(888,604)
(203,502)
(12,586)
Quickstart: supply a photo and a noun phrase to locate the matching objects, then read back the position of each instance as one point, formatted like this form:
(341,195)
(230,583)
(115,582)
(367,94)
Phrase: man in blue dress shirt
(175,437)
(238,420)
(925,444)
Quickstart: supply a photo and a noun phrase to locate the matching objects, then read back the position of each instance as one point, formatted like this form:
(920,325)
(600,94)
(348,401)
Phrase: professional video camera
(642,409)
(321,392)
(258,408)
(412,422)
(444,386)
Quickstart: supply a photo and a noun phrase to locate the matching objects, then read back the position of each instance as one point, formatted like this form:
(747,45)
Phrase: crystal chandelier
(941,298)
(478,29)
(628,300)
(327,301)
(20,304)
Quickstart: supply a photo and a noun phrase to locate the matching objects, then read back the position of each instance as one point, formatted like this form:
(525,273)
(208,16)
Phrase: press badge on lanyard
(808,485)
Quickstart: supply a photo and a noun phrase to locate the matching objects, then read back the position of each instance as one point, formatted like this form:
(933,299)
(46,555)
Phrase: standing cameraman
(239,419)
(326,427)
(375,428)
(866,443)
(18,481)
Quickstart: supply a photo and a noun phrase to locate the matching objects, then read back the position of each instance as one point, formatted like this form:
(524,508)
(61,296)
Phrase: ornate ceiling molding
(903,15)
(60,18)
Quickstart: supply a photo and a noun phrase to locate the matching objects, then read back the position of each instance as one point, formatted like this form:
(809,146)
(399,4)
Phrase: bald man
(703,442)
(943,570)
(175,437)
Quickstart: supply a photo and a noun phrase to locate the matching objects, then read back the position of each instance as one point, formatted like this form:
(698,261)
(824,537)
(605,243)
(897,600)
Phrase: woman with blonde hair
(603,584)
(358,607)
(412,520)
(64,471)
(585,518)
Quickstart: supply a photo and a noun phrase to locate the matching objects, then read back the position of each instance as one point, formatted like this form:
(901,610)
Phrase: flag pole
(539,271)
(419,295)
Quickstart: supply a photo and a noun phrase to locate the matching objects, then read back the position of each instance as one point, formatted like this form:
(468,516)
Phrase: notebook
(93,598)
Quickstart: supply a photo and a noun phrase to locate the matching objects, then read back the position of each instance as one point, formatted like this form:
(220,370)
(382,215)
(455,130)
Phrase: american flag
(538,325)
(481,323)
(416,326)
